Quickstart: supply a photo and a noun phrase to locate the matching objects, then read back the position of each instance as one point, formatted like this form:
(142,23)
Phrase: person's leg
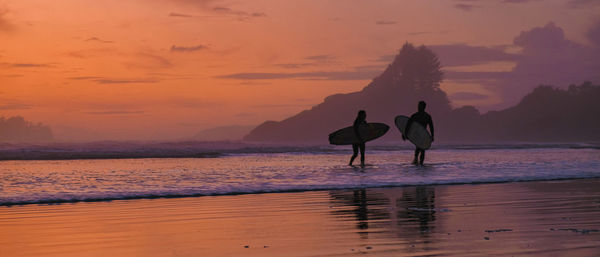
(355,149)
(416,156)
(422,157)
(362,155)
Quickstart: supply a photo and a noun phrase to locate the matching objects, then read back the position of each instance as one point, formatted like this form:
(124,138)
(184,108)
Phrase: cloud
(313,60)
(323,57)
(582,3)
(104,80)
(277,105)
(151,77)
(548,54)
(466,7)
(357,74)
(217,7)
(294,65)
(115,112)
(95,39)
(594,34)
(258,14)
(143,60)
(244,114)
(546,57)
(543,38)
(180,15)
(148,61)
(84,78)
(189,102)
(254,83)
(384,22)
(29,65)
(388,58)
(94,52)
(240,14)
(125,81)
(5,24)
(467,96)
(25,65)
(156,59)
(465,55)
(418,33)
(175,48)
(14,106)
(476,76)
(518,1)
(12,75)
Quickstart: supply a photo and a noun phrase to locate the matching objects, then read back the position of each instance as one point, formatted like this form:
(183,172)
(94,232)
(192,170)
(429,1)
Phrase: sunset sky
(167,69)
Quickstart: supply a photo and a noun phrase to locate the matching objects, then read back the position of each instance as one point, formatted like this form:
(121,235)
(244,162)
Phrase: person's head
(362,114)
(422,106)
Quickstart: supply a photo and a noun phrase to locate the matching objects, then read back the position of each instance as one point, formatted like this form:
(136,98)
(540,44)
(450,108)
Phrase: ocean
(226,169)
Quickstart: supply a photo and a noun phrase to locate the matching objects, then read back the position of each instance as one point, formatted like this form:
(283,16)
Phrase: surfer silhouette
(424,119)
(360,120)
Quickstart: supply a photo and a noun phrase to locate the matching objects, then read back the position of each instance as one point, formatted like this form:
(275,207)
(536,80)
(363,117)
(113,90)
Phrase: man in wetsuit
(360,120)
(424,119)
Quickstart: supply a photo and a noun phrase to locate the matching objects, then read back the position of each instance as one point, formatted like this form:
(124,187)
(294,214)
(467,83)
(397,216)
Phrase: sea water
(301,169)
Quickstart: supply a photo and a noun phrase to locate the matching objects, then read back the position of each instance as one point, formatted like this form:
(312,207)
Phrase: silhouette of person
(360,120)
(424,119)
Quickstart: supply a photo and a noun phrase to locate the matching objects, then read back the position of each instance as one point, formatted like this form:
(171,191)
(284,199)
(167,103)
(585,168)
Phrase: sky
(167,69)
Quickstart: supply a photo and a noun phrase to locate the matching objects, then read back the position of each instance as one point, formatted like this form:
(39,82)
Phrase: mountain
(546,114)
(17,129)
(414,75)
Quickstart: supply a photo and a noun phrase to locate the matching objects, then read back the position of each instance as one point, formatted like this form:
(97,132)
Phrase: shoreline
(175,196)
(559,217)
(200,149)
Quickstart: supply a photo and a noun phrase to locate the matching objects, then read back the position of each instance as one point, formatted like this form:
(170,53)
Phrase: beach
(233,128)
(544,218)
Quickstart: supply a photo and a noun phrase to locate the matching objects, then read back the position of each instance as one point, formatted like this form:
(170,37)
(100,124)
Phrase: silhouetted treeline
(547,114)
(17,129)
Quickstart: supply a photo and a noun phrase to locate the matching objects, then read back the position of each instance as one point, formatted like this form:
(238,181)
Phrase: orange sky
(166,69)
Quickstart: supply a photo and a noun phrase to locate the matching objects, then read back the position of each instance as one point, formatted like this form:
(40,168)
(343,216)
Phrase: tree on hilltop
(17,129)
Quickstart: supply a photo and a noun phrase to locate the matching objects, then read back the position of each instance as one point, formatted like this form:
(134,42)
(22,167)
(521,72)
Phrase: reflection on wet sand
(552,218)
(410,213)
(417,205)
(473,220)
(364,206)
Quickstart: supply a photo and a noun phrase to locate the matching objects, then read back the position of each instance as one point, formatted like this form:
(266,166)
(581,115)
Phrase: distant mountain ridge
(546,114)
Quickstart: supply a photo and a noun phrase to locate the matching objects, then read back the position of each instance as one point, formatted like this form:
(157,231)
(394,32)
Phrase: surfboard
(418,135)
(368,132)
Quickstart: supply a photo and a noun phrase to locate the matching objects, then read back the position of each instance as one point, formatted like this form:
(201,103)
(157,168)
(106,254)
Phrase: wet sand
(552,218)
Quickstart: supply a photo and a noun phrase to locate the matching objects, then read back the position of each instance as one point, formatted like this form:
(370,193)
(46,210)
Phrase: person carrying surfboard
(424,119)
(360,120)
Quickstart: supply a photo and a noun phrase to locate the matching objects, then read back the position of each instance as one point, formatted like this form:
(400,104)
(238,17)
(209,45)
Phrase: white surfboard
(418,135)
